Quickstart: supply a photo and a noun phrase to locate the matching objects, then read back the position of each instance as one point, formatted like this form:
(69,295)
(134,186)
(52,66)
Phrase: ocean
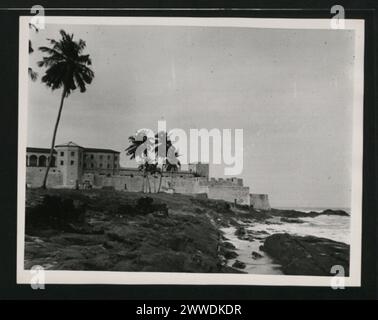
(326,226)
(331,227)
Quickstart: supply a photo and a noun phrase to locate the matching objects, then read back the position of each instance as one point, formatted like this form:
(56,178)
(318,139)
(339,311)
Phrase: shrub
(54,212)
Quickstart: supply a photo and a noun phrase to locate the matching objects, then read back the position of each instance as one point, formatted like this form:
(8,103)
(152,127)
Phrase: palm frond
(65,65)
(32,74)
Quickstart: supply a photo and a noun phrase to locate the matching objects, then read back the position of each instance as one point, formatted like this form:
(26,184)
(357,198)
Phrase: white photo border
(156,278)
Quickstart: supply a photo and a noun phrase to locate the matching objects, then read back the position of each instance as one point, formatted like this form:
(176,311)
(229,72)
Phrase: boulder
(238,264)
(240,232)
(229,254)
(256,255)
(228,245)
(307,255)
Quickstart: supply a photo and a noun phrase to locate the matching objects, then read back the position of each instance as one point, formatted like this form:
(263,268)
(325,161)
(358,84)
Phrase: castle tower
(199,169)
(70,163)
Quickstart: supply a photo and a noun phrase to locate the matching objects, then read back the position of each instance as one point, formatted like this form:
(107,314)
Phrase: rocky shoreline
(307,255)
(119,231)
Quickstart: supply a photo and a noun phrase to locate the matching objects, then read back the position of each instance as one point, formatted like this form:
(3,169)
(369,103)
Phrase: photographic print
(190,150)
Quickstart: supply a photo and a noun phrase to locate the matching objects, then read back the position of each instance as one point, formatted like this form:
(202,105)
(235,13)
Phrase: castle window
(72,162)
(100,165)
(42,161)
(108,157)
(91,156)
(61,162)
(72,153)
(85,166)
(101,156)
(33,160)
(108,166)
(92,165)
(115,157)
(61,153)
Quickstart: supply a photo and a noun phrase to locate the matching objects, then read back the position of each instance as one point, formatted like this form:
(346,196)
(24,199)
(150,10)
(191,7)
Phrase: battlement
(226,182)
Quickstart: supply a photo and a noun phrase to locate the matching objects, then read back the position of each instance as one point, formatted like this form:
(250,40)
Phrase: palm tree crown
(66,65)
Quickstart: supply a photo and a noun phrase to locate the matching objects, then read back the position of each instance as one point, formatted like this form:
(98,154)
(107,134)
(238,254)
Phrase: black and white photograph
(190,150)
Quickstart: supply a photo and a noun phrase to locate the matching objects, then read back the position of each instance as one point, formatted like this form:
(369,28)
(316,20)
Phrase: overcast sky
(289,90)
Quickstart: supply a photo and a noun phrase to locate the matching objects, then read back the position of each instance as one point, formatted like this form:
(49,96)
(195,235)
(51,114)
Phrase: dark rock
(335,212)
(256,255)
(240,232)
(229,254)
(307,255)
(228,245)
(291,220)
(301,214)
(228,269)
(238,264)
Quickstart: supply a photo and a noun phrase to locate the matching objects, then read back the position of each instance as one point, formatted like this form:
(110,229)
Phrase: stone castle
(74,166)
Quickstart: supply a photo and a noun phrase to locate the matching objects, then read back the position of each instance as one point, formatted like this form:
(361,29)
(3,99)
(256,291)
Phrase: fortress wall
(185,185)
(128,183)
(260,201)
(88,177)
(118,182)
(190,185)
(228,190)
(226,182)
(35,175)
(230,193)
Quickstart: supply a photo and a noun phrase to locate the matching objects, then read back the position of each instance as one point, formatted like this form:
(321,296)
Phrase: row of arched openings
(39,161)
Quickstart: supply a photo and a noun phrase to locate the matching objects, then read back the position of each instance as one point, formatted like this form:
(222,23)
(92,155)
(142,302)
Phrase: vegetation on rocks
(120,231)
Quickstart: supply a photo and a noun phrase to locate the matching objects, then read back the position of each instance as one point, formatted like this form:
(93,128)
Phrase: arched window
(27,161)
(33,161)
(42,161)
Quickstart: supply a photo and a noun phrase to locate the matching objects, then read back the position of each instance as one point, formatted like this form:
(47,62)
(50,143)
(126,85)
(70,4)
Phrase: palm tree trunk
(144,178)
(53,139)
(160,181)
(148,184)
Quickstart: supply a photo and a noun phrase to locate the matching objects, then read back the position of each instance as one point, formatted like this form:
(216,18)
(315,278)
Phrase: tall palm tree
(66,68)
(167,153)
(146,166)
